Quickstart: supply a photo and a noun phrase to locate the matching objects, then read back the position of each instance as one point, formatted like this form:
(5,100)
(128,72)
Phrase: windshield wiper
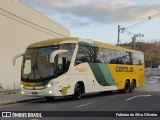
(35,67)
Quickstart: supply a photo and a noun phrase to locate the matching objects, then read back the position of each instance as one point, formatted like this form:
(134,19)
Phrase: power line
(123,30)
(30,22)
(27,24)
(143,21)
(135,25)
(126,29)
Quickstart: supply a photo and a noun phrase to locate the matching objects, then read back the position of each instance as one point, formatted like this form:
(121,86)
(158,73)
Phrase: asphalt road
(136,101)
(139,100)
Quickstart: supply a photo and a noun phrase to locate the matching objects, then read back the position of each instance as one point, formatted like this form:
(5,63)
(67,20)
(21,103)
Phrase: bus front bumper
(38,93)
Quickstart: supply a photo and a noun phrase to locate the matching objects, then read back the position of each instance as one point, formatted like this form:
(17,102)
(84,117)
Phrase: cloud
(93,12)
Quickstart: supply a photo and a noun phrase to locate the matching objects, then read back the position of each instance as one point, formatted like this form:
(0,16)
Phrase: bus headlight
(50,92)
(22,92)
(49,85)
(22,86)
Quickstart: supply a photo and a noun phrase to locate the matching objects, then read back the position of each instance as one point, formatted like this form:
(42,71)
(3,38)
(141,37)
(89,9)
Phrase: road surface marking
(84,104)
(138,96)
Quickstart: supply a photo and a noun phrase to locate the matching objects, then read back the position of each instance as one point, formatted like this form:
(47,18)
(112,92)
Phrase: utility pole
(139,35)
(118,35)
(133,42)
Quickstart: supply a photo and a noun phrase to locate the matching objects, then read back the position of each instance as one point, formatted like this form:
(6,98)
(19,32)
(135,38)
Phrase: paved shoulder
(14,98)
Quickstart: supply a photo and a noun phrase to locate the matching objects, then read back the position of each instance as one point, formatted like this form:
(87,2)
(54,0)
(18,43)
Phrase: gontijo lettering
(124,69)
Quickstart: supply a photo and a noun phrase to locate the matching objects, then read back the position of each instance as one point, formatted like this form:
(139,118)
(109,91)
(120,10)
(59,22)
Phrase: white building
(152,71)
(19,26)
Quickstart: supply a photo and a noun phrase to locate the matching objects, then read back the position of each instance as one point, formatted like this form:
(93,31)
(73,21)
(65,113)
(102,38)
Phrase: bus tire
(49,98)
(126,87)
(133,86)
(77,92)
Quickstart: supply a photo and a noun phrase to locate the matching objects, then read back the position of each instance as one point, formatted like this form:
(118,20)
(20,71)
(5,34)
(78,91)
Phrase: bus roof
(57,41)
(114,47)
(51,42)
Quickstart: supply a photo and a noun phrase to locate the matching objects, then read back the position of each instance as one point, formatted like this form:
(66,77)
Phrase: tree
(151,52)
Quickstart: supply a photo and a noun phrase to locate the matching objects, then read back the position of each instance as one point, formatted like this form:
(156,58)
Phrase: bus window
(138,58)
(93,54)
(61,65)
(65,60)
(83,54)
(135,59)
(128,58)
(141,59)
(102,55)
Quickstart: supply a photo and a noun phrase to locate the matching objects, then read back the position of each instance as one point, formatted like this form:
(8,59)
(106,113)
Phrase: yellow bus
(73,66)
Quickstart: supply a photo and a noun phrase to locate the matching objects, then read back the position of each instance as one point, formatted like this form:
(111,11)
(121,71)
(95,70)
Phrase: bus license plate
(34,93)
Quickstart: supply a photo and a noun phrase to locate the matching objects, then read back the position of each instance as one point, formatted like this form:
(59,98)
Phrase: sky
(99,19)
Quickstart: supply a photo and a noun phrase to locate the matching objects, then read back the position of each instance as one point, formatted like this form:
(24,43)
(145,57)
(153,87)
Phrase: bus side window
(140,62)
(141,59)
(128,58)
(113,61)
(83,54)
(120,60)
(62,63)
(138,58)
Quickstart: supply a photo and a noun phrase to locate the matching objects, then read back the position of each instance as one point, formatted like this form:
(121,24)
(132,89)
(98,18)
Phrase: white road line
(138,96)
(84,104)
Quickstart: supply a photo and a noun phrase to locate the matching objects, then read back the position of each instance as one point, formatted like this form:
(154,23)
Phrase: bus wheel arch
(78,90)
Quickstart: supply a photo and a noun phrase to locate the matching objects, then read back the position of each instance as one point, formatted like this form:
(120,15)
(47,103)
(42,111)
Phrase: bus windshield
(36,64)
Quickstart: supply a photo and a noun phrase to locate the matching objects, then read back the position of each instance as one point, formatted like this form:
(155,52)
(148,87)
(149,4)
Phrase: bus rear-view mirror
(17,56)
(54,53)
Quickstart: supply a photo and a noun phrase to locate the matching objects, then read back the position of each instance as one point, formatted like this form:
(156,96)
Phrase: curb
(20,101)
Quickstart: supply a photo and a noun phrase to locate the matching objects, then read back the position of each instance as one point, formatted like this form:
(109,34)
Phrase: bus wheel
(49,98)
(127,87)
(77,92)
(133,85)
